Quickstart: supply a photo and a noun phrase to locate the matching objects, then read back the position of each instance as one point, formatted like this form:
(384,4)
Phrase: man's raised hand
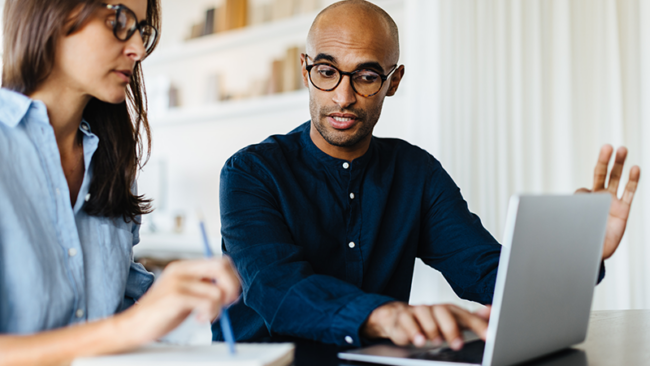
(620,209)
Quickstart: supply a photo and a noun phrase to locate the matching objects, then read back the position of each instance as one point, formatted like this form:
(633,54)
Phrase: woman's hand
(184,286)
(203,286)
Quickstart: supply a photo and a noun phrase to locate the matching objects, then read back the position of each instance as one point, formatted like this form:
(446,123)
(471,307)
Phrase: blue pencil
(224,320)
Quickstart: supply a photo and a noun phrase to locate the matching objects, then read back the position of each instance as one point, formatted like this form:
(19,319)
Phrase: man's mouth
(342,121)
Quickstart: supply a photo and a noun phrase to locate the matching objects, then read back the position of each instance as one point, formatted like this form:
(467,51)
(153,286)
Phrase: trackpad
(472,352)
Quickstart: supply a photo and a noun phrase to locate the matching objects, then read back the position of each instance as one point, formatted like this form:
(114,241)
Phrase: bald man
(324,223)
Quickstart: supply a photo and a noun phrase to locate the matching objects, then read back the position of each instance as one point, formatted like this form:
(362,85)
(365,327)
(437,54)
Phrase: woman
(70,147)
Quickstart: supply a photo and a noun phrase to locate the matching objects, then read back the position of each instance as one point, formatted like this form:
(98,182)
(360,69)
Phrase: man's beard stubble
(367,123)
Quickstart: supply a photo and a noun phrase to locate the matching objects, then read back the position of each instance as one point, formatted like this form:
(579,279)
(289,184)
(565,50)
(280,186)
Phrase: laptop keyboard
(472,352)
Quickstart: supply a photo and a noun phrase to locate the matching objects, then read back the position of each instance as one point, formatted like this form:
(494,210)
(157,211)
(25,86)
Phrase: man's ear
(395,80)
(303,70)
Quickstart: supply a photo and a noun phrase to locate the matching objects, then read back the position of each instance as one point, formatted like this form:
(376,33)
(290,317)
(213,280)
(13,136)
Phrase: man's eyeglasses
(125,23)
(364,82)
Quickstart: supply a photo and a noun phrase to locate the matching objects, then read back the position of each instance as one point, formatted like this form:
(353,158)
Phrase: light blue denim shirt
(58,265)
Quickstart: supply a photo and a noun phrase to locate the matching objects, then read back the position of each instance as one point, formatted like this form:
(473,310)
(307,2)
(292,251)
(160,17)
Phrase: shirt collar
(317,153)
(13,107)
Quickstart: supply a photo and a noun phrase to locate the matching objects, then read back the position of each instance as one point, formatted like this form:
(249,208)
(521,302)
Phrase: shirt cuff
(601,273)
(347,323)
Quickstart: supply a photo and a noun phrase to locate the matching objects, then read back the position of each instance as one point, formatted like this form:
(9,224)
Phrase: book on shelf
(276,79)
(209,21)
(291,75)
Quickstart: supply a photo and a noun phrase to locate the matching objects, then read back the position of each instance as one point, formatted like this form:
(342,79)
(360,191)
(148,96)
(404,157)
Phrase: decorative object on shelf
(174,96)
(179,223)
(213,91)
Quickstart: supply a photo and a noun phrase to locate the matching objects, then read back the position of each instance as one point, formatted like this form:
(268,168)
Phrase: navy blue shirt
(321,242)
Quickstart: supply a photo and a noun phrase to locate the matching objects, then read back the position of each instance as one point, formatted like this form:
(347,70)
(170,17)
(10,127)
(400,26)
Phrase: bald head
(359,20)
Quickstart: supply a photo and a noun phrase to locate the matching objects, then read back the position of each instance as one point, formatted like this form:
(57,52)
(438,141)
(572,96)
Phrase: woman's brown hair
(31,31)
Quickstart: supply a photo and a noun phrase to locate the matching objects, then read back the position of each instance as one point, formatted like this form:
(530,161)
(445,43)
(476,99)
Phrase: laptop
(547,272)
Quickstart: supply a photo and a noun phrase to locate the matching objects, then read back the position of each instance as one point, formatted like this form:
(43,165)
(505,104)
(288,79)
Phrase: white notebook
(248,354)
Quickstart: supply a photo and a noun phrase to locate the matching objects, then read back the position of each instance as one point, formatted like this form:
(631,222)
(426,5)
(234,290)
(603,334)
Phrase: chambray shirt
(58,265)
(321,242)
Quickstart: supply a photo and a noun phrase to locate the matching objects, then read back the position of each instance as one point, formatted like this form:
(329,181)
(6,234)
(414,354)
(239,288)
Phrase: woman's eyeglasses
(125,23)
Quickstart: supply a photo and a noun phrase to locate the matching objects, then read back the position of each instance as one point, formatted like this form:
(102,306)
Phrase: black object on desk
(615,338)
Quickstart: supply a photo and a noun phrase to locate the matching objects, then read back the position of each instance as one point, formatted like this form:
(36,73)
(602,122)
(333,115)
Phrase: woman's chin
(113,98)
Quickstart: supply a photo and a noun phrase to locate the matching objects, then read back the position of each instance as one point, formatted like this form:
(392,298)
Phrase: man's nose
(344,94)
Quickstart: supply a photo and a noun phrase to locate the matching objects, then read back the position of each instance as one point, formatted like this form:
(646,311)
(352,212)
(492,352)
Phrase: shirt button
(58,191)
(346,165)
(351,196)
(87,197)
(349,339)
(84,127)
(72,252)
(351,245)
(79,313)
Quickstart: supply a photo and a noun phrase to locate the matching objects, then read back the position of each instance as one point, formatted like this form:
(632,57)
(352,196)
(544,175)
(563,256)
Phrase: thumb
(484,312)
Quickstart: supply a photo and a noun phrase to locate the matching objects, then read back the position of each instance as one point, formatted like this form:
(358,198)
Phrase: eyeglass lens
(326,77)
(126,24)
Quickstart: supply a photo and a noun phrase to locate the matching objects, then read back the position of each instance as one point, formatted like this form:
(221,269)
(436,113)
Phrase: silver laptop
(545,282)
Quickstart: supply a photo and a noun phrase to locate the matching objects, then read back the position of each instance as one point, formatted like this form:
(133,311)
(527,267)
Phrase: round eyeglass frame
(139,26)
(349,74)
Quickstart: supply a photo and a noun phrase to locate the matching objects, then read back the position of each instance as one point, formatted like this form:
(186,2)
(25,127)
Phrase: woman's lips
(122,75)
(341,123)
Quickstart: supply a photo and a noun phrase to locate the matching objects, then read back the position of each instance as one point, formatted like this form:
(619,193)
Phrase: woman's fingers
(219,270)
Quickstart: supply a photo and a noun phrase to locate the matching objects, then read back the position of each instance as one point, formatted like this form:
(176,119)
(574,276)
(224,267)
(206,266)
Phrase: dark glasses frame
(141,26)
(350,74)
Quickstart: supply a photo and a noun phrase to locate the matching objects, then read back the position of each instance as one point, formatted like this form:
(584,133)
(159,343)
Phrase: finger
(424,316)
(632,183)
(617,170)
(471,321)
(408,330)
(219,269)
(583,190)
(484,312)
(204,290)
(448,326)
(228,279)
(600,172)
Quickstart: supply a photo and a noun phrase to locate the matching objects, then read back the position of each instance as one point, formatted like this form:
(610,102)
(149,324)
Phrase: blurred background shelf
(222,112)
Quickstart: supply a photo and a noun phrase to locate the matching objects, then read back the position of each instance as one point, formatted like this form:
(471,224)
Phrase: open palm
(620,208)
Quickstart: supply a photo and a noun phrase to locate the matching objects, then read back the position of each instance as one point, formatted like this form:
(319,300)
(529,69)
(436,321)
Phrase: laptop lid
(547,273)
(548,270)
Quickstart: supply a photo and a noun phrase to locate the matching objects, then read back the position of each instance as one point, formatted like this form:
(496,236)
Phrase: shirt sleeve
(455,242)
(277,282)
(139,279)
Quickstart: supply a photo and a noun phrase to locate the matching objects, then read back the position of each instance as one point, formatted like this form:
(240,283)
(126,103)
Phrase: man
(324,224)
